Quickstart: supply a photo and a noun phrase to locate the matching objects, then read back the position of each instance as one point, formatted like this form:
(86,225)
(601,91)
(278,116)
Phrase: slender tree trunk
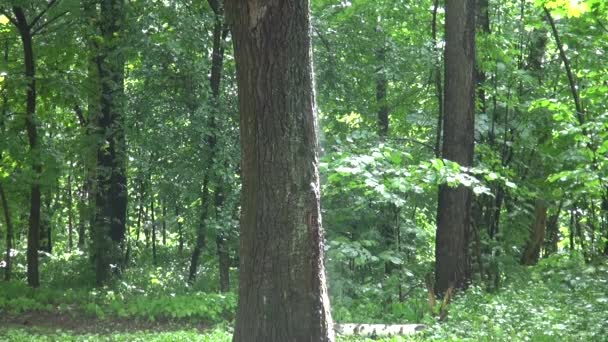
(153,231)
(9,233)
(164,232)
(282,288)
(531,253)
(438,80)
(3,199)
(33,236)
(70,215)
(217,63)
(224,262)
(382,87)
(180,233)
(452,268)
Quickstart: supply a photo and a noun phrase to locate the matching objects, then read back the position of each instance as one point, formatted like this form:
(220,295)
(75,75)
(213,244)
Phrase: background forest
(157,79)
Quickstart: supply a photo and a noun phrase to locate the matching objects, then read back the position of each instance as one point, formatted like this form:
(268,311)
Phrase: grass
(561,299)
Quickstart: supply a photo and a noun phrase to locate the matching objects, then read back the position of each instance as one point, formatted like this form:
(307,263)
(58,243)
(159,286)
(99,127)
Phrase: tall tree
(111,187)
(28,28)
(282,288)
(452,267)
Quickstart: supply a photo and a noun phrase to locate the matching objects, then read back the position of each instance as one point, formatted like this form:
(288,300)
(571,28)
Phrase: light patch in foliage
(4,20)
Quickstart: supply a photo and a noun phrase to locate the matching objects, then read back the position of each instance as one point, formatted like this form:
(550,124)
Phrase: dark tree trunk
(224,262)
(153,231)
(452,267)
(200,232)
(111,189)
(553,231)
(33,235)
(9,233)
(70,215)
(531,253)
(46,228)
(217,63)
(438,80)
(180,233)
(282,287)
(381,88)
(4,201)
(164,232)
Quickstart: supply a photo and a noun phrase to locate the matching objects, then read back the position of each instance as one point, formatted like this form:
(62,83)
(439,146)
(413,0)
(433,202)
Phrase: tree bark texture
(452,268)
(282,288)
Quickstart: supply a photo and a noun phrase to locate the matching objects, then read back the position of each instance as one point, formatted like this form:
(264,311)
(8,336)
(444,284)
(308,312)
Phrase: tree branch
(566,61)
(49,5)
(48,22)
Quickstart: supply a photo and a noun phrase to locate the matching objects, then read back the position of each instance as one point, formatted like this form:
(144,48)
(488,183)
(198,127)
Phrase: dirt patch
(83,324)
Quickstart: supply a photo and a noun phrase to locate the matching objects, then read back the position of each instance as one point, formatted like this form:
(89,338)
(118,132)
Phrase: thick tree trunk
(33,235)
(452,268)
(111,189)
(282,287)
(531,253)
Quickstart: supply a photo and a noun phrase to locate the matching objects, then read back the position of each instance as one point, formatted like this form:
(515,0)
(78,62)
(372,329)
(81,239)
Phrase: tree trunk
(180,233)
(381,88)
(438,80)
(282,287)
(452,268)
(153,231)
(9,233)
(33,235)
(217,63)
(537,234)
(224,262)
(111,189)
(164,232)
(3,199)
(70,215)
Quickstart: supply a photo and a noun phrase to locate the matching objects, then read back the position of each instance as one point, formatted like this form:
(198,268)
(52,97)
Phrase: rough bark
(111,187)
(282,287)
(531,253)
(452,268)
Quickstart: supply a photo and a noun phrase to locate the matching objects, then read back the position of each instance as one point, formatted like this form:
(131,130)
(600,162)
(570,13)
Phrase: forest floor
(561,299)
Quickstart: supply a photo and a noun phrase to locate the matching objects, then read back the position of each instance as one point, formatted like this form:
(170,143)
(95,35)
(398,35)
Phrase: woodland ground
(561,299)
